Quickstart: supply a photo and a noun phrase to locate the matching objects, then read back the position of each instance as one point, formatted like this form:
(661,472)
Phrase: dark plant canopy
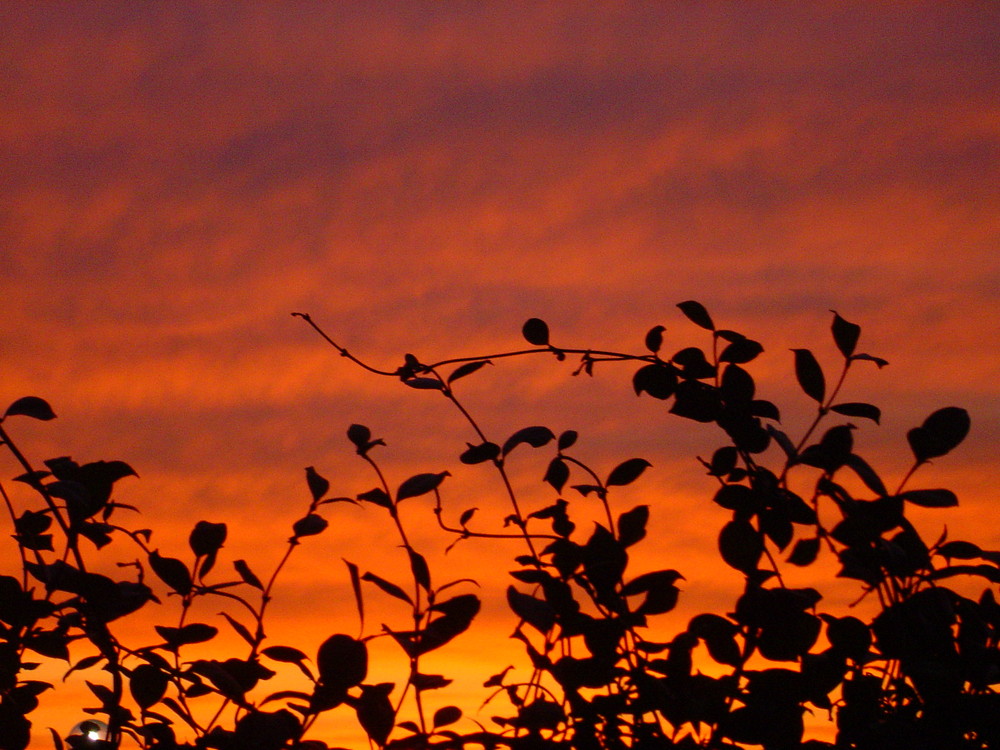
(601,671)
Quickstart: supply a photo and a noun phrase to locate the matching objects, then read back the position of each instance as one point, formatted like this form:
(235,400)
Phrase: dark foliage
(921,673)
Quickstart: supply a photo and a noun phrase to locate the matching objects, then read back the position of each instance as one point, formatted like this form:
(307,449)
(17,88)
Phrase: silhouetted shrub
(920,674)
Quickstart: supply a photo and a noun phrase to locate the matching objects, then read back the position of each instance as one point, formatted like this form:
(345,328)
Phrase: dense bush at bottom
(598,672)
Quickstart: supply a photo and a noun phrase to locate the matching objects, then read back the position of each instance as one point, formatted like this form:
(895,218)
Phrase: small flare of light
(92,729)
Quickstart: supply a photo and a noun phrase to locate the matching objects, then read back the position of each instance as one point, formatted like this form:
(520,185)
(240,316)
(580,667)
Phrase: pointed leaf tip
(809,374)
(697,314)
(845,335)
(627,472)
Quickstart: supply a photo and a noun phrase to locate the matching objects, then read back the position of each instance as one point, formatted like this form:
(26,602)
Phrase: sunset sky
(178,178)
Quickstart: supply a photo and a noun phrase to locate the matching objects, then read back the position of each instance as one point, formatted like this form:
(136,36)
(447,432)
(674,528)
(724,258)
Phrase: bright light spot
(91,729)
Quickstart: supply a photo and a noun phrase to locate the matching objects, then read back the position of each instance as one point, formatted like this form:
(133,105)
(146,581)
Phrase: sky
(424,177)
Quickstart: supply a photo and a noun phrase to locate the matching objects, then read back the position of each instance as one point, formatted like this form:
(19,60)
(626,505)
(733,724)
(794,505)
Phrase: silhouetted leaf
(845,335)
(424,384)
(604,561)
(172,572)
(247,575)
(765,410)
(930,498)
(654,338)
(567,440)
(467,369)
(30,406)
(659,381)
(195,632)
(429,681)
(240,628)
(286,654)
(556,474)
(466,516)
(632,525)
(536,332)
(456,615)
(359,435)
(352,570)
(867,474)
(376,496)
(741,351)
(309,525)
(941,432)
(477,454)
(445,716)
(879,362)
(388,587)
(740,545)
(736,497)
(50,643)
(805,551)
(375,712)
(537,613)
(418,565)
(536,437)
(858,409)
(420,484)
(147,684)
(697,401)
(660,590)
(318,486)
(207,538)
(960,550)
(832,451)
(627,472)
(737,387)
(718,633)
(693,364)
(809,374)
(342,662)
(848,636)
(697,314)
(723,461)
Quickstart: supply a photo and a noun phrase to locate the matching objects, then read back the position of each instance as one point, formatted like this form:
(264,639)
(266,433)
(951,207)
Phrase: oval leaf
(447,715)
(627,472)
(309,525)
(857,409)
(147,685)
(206,538)
(697,314)
(420,484)
(342,662)
(247,575)
(741,546)
(285,654)
(809,374)
(172,572)
(31,406)
(467,369)
(941,432)
(536,437)
(845,335)
(536,332)
(318,486)
(931,498)
(654,338)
